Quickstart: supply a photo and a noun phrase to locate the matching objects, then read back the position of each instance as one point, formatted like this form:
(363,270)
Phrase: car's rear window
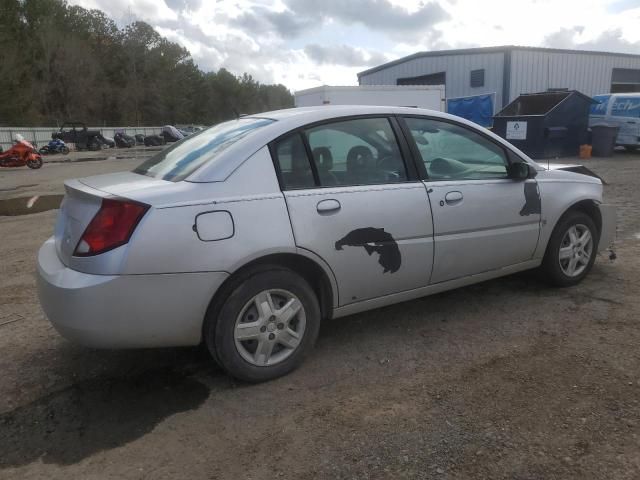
(182,159)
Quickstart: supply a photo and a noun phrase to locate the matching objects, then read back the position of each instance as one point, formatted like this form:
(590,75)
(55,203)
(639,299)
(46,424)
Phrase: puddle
(18,187)
(94,415)
(32,204)
(79,160)
(135,155)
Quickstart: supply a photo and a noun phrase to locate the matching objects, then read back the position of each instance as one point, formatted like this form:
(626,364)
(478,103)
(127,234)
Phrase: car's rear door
(482,219)
(354,203)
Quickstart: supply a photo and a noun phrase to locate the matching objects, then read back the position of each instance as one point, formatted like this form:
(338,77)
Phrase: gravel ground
(507,379)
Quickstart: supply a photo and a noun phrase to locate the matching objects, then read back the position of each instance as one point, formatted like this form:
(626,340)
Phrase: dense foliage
(63,62)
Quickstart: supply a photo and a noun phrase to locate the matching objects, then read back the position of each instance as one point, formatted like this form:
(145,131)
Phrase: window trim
(412,172)
(510,156)
(273,151)
(310,159)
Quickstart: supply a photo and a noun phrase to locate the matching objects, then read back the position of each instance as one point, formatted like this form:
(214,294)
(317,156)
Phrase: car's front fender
(559,192)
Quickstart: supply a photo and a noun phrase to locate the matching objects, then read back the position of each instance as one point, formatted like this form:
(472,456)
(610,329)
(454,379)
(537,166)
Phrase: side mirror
(521,171)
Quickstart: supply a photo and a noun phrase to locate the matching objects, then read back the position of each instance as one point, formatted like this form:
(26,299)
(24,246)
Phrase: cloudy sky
(305,43)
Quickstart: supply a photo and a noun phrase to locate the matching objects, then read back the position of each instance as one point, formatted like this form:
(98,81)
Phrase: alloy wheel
(575,250)
(270,327)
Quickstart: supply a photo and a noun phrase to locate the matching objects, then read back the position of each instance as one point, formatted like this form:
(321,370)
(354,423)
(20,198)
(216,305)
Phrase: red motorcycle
(20,154)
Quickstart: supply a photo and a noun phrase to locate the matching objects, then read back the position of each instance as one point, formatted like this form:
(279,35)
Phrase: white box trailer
(419,96)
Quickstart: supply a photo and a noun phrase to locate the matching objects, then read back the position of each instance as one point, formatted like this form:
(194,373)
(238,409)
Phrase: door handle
(328,206)
(453,198)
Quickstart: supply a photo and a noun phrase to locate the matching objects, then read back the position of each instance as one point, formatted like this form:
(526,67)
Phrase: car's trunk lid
(79,206)
(121,183)
(82,201)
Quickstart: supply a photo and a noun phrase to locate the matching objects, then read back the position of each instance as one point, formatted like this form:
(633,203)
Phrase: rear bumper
(124,311)
(608,234)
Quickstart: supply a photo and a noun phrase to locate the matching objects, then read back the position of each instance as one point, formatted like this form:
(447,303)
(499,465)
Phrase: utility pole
(135,73)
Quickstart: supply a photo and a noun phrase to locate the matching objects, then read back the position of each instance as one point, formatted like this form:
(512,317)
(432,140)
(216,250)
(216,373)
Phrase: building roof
(499,49)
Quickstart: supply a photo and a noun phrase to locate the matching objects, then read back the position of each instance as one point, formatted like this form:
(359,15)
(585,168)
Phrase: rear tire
(65,150)
(571,250)
(631,148)
(267,323)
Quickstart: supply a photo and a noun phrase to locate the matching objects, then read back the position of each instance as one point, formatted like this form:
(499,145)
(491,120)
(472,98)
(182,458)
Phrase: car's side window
(293,163)
(453,152)
(361,151)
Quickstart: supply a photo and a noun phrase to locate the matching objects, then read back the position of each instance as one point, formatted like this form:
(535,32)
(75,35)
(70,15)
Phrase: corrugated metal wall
(457,67)
(531,71)
(536,71)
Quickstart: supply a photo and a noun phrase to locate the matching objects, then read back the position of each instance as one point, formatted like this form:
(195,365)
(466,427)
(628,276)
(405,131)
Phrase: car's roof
(329,111)
(292,118)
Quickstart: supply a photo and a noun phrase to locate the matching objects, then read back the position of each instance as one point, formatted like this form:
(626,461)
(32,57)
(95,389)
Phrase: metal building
(509,71)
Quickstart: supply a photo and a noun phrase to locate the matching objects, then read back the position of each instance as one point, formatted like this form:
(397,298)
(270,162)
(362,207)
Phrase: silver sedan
(244,236)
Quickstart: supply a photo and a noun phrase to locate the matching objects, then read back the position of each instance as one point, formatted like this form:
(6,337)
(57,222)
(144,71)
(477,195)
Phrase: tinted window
(295,170)
(356,152)
(453,152)
(182,159)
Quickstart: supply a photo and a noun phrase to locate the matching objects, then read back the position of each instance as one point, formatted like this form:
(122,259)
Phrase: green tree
(63,62)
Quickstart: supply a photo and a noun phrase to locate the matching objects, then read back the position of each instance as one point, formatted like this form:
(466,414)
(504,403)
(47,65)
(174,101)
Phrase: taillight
(112,226)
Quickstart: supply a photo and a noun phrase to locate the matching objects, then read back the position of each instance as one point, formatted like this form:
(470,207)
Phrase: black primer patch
(532,203)
(375,240)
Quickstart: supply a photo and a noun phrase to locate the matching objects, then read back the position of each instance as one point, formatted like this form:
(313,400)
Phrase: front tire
(35,163)
(571,251)
(266,326)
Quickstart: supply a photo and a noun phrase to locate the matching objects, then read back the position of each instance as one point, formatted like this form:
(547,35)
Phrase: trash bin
(547,124)
(603,140)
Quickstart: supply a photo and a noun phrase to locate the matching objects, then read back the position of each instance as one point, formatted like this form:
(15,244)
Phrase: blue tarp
(478,109)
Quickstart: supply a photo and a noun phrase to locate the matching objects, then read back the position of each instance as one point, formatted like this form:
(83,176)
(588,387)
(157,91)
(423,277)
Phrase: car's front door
(353,202)
(482,219)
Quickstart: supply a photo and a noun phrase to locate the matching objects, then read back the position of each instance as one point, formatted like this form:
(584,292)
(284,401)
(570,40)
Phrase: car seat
(360,166)
(324,163)
(300,175)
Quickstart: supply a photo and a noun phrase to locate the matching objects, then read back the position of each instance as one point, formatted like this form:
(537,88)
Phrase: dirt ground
(507,379)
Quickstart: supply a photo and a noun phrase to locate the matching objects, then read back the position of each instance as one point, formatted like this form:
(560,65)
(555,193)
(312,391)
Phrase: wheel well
(590,208)
(303,266)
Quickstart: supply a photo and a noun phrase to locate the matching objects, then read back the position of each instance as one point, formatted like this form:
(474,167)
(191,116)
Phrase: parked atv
(20,154)
(171,134)
(55,145)
(78,134)
(154,141)
(123,140)
(139,139)
(107,142)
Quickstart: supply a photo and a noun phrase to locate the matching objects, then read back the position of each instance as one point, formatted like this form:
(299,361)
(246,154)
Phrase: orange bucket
(585,151)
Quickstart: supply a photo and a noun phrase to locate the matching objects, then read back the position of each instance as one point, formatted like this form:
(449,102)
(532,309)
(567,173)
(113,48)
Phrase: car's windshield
(182,159)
